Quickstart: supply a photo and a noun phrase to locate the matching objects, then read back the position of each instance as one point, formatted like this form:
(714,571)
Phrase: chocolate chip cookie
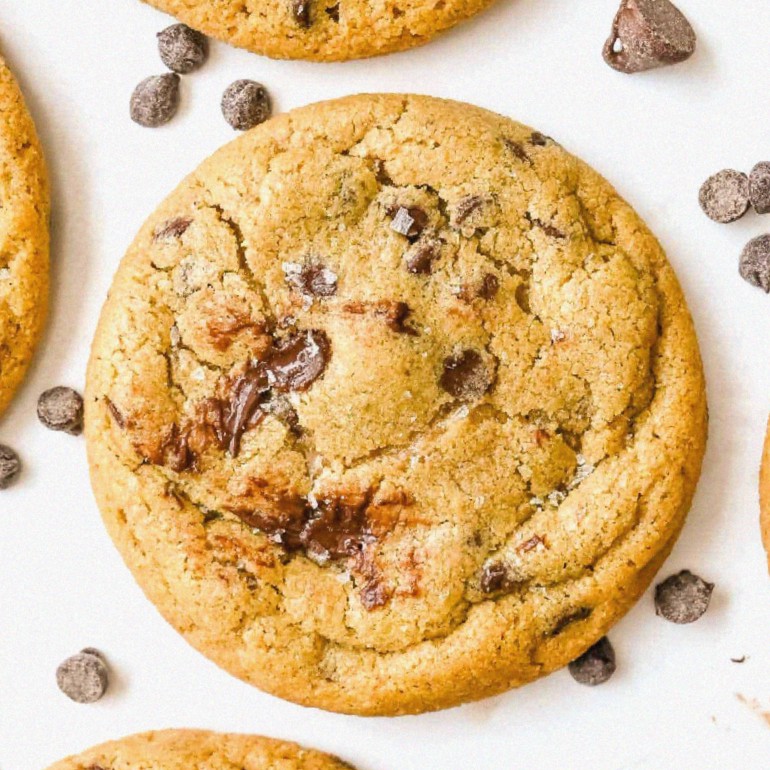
(322,30)
(185,749)
(394,404)
(24,208)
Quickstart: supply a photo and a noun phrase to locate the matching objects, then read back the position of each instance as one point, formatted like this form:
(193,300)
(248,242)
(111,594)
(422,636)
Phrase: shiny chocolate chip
(298,361)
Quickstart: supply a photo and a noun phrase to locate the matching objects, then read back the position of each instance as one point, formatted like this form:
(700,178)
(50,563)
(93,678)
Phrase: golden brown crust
(23,237)
(764,494)
(507,525)
(350,29)
(186,749)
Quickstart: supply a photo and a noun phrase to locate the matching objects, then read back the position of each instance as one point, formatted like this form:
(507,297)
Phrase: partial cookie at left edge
(24,209)
(185,749)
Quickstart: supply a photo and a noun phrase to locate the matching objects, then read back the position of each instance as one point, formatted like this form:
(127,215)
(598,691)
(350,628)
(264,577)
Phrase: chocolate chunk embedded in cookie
(344,472)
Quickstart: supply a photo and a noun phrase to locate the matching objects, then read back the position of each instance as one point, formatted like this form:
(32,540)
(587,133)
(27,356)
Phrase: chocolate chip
(648,34)
(245,104)
(174,228)
(516,149)
(420,257)
(310,280)
(495,577)
(395,315)
(83,678)
(155,100)
(755,262)
(333,12)
(408,221)
(300,11)
(759,187)
(546,227)
(489,287)
(682,598)
(466,375)
(596,665)
(61,409)
(182,49)
(10,466)
(298,361)
(539,140)
(724,197)
(567,620)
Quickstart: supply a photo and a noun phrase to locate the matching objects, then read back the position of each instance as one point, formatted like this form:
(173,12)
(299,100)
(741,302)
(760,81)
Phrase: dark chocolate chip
(83,678)
(522,297)
(759,187)
(245,104)
(573,617)
(155,100)
(409,222)
(466,375)
(682,598)
(182,49)
(420,257)
(310,280)
(395,315)
(755,262)
(539,140)
(495,577)
(298,361)
(596,665)
(300,11)
(516,149)
(61,409)
(724,197)
(174,228)
(550,230)
(10,466)
(648,34)
(333,12)
(489,287)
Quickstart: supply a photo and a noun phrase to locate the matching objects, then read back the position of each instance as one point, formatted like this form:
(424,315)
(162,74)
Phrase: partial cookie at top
(24,207)
(378,483)
(186,749)
(322,30)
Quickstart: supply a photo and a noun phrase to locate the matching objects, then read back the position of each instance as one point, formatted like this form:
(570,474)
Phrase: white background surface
(656,136)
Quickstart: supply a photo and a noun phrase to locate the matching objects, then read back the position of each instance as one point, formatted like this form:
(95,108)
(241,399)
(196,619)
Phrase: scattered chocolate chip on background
(84,677)
(754,265)
(647,34)
(245,104)
(683,597)
(61,409)
(10,466)
(596,665)
(724,196)
(182,49)
(759,187)
(155,100)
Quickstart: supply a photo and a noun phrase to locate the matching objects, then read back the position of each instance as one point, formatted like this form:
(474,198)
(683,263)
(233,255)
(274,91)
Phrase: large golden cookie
(394,404)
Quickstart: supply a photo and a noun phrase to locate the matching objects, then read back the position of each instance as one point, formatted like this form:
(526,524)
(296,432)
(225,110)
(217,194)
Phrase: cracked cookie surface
(185,749)
(23,237)
(322,30)
(394,404)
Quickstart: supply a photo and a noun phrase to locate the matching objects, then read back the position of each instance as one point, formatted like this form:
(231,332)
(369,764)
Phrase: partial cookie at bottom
(187,749)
